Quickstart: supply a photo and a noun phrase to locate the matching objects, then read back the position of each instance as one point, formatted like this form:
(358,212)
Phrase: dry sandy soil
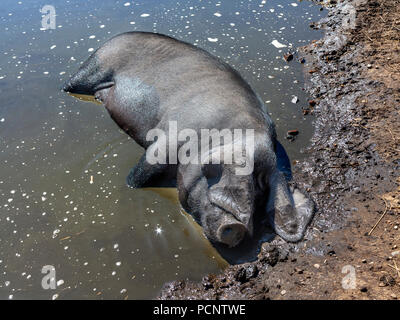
(352,248)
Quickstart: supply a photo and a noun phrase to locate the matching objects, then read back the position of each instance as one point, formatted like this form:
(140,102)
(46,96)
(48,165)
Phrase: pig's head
(225,203)
(220,201)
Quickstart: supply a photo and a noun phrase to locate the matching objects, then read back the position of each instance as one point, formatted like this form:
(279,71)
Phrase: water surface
(63,162)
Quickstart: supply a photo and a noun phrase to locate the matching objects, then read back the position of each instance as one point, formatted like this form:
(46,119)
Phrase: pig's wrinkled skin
(146,80)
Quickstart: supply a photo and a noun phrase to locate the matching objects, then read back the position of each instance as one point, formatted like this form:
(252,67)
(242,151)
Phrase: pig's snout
(231,232)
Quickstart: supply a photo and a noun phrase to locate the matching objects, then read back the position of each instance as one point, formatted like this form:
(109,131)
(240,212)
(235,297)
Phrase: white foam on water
(212,39)
(278,45)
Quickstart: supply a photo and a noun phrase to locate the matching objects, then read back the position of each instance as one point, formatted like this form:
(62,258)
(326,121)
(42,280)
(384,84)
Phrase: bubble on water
(212,39)
(217,14)
(145,15)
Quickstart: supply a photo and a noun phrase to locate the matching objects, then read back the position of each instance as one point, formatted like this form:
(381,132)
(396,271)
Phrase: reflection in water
(171,194)
(63,162)
(86,98)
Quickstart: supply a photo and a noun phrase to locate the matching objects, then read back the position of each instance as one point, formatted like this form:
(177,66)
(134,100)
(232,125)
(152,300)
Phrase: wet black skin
(146,80)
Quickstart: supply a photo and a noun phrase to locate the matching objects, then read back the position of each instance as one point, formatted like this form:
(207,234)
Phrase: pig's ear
(289,213)
(188,177)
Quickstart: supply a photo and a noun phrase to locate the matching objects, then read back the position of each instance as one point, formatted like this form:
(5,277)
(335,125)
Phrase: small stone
(288,57)
(269,254)
(393,296)
(283,292)
(364,260)
(299,270)
(312,103)
(396,253)
(244,274)
(317,266)
(364,289)
(293,132)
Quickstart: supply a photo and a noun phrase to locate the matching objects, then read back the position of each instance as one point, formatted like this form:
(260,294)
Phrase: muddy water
(63,162)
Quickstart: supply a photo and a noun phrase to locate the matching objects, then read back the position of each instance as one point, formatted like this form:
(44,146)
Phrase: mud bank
(351,250)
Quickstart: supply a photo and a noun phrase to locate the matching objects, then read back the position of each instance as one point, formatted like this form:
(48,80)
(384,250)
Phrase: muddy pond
(63,162)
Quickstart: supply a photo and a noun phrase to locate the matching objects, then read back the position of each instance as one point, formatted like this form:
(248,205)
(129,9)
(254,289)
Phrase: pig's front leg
(145,174)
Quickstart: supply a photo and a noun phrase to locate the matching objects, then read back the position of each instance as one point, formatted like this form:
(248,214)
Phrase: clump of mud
(351,172)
